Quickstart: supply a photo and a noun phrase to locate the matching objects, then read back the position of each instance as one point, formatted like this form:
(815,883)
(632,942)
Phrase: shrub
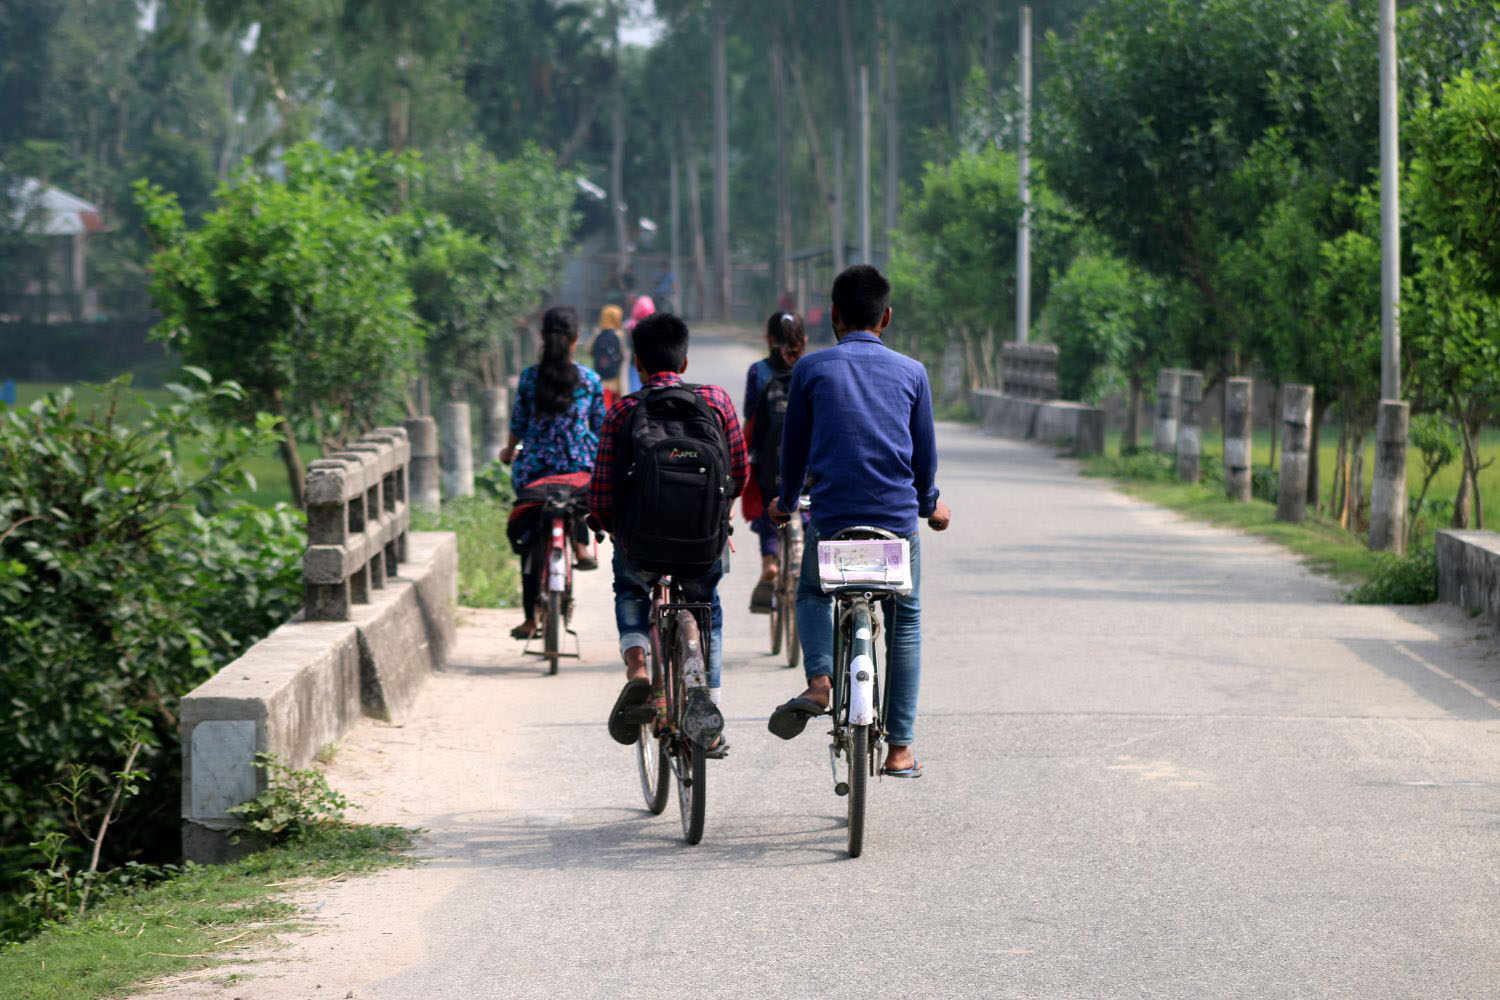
(1408,579)
(295,803)
(1265,483)
(489,573)
(125,581)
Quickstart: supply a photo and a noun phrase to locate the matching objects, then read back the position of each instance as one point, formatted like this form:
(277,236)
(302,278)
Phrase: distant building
(59,290)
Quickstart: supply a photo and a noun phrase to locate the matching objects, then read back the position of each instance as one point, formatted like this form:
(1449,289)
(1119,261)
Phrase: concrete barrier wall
(1468,570)
(305,684)
(1052,421)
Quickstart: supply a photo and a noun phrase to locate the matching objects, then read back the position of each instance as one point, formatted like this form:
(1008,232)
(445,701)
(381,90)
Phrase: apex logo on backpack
(677,454)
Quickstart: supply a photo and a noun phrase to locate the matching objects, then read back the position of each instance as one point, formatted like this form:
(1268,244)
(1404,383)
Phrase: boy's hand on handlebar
(508,455)
(776,514)
(941,515)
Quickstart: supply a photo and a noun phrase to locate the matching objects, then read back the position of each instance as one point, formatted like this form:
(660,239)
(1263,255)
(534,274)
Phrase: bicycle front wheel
(859,779)
(552,633)
(692,789)
(777,616)
(793,641)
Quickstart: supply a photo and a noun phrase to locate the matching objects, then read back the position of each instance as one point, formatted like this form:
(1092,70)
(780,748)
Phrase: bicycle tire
(859,778)
(655,766)
(692,789)
(793,640)
(552,633)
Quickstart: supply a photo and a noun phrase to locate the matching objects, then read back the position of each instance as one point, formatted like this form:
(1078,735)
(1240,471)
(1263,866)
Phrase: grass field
(267,468)
(1444,486)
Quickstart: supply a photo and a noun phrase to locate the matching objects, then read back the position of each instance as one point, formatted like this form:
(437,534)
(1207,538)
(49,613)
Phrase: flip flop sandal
(634,694)
(915,771)
(586,563)
(790,718)
(718,751)
(762,596)
(522,632)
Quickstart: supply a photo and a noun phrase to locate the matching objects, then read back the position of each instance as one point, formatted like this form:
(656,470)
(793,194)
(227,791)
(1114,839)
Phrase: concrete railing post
(1164,429)
(1189,431)
(492,419)
(1296,426)
(1388,492)
(357,520)
(425,492)
(1239,397)
(456,444)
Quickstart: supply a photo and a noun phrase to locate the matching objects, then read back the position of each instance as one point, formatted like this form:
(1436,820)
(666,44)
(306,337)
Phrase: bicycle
(859,567)
(553,560)
(784,599)
(678,658)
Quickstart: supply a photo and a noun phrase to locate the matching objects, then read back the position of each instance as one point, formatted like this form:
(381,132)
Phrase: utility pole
(721,164)
(1388,491)
(838,201)
(674,260)
(864,164)
(783,196)
(891,170)
(1023,159)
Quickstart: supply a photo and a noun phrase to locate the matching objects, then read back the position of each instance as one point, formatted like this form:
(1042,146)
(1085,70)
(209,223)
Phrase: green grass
(1324,545)
(1444,486)
(489,573)
(271,485)
(182,924)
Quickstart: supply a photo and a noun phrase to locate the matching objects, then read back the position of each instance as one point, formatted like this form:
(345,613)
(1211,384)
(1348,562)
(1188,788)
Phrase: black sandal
(790,718)
(622,726)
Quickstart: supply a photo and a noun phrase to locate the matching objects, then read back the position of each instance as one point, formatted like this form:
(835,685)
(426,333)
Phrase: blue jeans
(903,638)
(770,541)
(633,607)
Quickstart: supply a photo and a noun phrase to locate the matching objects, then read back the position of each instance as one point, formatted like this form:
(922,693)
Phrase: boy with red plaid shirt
(661,348)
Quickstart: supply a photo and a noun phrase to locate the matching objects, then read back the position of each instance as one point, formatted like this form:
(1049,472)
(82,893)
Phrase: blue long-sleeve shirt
(859,420)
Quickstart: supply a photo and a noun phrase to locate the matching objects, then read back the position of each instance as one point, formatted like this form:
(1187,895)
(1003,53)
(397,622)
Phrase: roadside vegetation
(489,573)
(150,930)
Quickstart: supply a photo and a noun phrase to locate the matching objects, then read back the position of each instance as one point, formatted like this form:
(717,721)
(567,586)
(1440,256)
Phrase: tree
(1452,314)
(296,289)
(955,254)
(1106,318)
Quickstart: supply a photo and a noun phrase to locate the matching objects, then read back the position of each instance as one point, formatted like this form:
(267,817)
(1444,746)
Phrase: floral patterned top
(561,442)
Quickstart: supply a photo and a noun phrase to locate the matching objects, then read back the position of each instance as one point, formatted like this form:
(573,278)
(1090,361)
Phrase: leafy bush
(1140,465)
(1265,483)
(1408,579)
(125,581)
(489,573)
(294,804)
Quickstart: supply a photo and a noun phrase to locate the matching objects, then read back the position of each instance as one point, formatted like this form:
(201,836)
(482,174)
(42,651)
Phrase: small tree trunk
(1357,502)
(1130,440)
(291,457)
(1275,421)
(1338,495)
(721,163)
(695,223)
(1320,408)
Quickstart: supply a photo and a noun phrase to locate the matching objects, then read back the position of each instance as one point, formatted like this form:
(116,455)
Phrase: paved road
(1162,760)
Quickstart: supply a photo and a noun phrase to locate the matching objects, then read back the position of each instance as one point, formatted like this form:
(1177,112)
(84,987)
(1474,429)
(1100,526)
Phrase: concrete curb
(305,684)
(1053,420)
(1468,571)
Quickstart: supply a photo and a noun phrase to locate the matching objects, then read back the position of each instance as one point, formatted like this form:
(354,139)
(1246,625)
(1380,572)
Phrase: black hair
(557,375)
(861,295)
(787,335)
(661,343)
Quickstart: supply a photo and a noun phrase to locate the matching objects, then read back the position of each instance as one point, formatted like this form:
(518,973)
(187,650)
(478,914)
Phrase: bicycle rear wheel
(692,789)
(859,778)
(552,632)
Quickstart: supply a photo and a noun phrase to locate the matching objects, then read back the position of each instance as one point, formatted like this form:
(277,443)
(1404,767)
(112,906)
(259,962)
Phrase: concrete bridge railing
(378,619)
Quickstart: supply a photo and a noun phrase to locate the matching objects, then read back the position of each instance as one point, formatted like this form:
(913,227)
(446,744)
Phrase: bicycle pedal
(842,788)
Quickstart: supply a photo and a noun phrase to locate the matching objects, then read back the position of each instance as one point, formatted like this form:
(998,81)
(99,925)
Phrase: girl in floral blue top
(555,422)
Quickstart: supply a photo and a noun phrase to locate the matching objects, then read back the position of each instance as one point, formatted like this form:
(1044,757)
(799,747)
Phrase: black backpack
(607,354)
(673,487)
(765,440)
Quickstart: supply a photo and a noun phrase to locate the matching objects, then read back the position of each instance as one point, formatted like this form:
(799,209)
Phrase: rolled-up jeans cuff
(634,640)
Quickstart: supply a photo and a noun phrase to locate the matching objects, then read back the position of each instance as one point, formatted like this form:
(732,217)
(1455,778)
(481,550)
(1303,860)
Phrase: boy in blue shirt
(859,426)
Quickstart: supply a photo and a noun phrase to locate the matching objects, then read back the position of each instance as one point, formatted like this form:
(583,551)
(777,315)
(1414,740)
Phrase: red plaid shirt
(602,489)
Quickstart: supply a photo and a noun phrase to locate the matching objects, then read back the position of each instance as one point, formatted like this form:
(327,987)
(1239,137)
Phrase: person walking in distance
(859,426)
(765,410)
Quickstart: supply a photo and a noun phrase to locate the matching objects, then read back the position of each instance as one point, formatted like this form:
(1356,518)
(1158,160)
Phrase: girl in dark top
(558,413)
(765,403)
